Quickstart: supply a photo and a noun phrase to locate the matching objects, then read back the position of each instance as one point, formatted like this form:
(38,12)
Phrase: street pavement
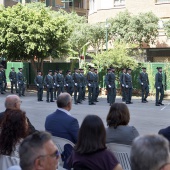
(146,117)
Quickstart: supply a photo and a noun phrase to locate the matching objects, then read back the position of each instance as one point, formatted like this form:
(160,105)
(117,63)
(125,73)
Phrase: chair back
(122,153)
(7,161)
(60,142)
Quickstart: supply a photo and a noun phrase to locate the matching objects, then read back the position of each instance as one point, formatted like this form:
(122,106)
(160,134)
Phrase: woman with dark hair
(14,128)
(90,152)
(119,131)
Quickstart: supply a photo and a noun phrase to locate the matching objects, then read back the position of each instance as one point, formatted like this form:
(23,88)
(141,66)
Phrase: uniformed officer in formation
(39,83)
(111,86)
(49,83)
(96,81)
(69,83)
(129,86)
(77,89)
(1,80)
(106,81)
(83,83)
(144,82)
(21,82)
(60,82)
(91,86)
(159,87)
(4,79)
(13,80)
(122,84)
(55,84)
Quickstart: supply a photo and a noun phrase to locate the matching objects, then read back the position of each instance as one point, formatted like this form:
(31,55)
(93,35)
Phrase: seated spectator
(13,102)
(90,152)
(14,128)
(119,131)
(62,124)
(165,132)
(150,152)
(38,152)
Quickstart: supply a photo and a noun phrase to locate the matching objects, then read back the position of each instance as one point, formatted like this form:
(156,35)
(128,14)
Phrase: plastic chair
(7,161)
(122,153)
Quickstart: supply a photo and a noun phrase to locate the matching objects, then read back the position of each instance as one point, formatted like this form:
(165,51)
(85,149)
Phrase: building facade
(100,10)
(79,6)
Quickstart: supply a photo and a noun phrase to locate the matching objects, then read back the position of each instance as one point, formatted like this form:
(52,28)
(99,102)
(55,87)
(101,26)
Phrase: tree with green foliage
(32,32)
(135,29)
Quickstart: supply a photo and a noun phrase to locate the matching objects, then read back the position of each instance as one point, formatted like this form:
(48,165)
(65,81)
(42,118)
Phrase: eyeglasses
(19,101)
(56,154)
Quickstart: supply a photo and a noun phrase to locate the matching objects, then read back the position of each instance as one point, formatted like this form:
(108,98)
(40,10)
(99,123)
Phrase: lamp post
(107,25)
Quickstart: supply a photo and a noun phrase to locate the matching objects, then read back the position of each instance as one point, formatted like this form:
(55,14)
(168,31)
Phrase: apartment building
(100,10)
(79,6)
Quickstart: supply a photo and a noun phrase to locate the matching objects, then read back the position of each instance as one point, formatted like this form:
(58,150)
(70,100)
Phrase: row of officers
(77,82)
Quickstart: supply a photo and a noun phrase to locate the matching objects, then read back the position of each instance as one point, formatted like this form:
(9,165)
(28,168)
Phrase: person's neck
(66,108)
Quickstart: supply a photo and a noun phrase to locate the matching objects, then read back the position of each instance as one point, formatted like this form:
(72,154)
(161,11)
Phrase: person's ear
(38,164)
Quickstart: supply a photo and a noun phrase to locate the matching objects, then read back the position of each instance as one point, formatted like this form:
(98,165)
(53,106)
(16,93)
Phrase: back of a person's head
(92,135)
(13,128)
(31,148)
(11,102)
(118,115)
(63,100)
(149,152)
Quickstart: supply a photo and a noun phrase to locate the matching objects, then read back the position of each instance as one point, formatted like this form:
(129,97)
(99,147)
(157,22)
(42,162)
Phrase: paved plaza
(147,118)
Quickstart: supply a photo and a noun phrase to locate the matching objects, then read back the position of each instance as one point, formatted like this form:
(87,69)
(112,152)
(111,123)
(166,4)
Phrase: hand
(158,87)
(47,85)
(54,84)
(142,84)
(19,82)
(127,86)
(75,84)
(66,84)
(58,85)
(123,85)
(89,84)
(10,79)
(37,84)
(109,86)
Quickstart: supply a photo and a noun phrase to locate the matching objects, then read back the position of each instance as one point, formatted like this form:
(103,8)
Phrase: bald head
(64,100)
(12,102)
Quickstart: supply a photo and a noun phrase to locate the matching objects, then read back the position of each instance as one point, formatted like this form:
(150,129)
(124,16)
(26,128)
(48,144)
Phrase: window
(119,2)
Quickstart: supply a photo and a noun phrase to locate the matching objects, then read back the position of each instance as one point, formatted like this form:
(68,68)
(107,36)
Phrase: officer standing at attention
(91,86)
(144,82)
(60,82)
(49,83)
(77,89)
(13,79)
(122,84)
(83,81)
(129,86)
(111,86)
(96,81)
(106,83)
(159,87)
(69,83)
(39,83)
(4,79)
(55,84)
(21,82)
(1,80)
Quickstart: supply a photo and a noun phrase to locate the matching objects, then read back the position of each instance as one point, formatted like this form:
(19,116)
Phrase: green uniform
(159,88)
(111,88)
(96,81)
(60,83)
(77,89)
(144,82)
(91,87)
(129,87)
(122,83)
(13,80)
(21,83)
(69,84)
(49,82)
(1,82)
(4,80)
(39,83)
(106,83)
(55,85)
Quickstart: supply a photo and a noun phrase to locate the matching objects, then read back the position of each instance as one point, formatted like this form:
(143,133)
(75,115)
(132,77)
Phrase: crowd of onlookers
(37,151)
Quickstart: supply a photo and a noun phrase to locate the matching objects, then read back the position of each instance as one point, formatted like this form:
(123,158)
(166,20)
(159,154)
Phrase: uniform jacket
(60,80)
(69,80)
(111,80)
(76,78)
(90,79)
(39,80)
(158,80)
(128,80)
(96,79)
(48,81)
(13,76)
(20,78)
(143,78)
(122,79)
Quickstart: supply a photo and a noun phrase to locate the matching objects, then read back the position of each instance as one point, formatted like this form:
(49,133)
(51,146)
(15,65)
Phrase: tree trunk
(33,64)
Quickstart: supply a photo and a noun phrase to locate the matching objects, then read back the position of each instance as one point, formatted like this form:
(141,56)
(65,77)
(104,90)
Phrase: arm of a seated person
(118,167)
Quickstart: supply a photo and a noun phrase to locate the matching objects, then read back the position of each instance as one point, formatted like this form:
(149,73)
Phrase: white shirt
(64,110)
